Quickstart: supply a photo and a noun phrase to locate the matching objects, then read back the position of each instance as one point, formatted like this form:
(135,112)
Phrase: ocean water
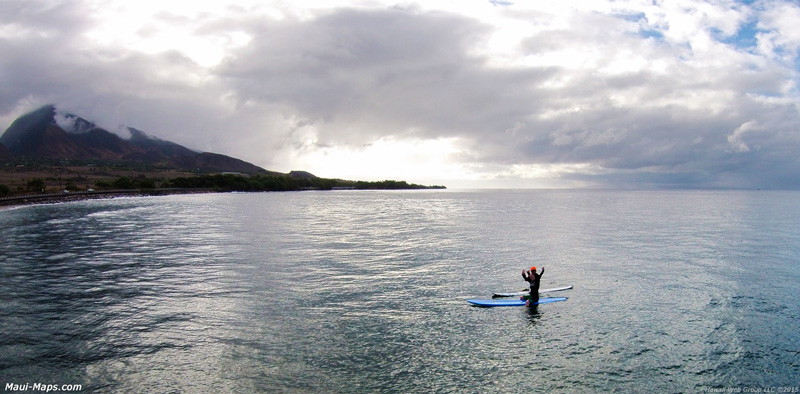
(363,291)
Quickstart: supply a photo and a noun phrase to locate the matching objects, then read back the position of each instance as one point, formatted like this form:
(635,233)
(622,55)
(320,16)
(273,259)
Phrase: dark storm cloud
(50,60)
(390,72)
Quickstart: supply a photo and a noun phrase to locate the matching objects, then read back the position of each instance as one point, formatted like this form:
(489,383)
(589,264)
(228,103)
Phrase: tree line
(231,182)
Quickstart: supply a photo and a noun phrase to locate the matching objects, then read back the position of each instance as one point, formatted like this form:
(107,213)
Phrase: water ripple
(363,292)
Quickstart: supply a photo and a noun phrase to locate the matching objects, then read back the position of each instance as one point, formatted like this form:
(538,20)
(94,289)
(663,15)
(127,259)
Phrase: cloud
(735,138)
(625,93)
(386,72)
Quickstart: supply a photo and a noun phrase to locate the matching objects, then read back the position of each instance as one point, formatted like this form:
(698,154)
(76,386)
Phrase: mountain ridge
(51,134)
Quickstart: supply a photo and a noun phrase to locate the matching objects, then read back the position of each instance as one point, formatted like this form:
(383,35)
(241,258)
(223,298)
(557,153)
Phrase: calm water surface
(364,292)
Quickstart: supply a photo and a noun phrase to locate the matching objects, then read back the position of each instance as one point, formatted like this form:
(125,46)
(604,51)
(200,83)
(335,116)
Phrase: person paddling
(533,278)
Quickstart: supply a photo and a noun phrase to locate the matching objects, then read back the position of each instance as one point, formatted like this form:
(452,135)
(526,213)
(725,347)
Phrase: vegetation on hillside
(50,176)
(229,182)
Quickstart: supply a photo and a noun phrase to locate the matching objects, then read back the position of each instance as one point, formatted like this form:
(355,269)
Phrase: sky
(468,94)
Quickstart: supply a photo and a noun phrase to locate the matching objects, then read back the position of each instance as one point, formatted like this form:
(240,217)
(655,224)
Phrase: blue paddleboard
(513,302)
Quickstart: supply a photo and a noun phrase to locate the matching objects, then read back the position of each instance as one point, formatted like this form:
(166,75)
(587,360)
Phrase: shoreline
(59,198)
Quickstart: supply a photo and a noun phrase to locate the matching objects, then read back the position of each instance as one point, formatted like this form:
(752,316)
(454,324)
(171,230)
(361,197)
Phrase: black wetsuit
(534,280)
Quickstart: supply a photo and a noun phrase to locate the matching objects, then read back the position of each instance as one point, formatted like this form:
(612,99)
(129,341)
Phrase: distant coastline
(58,198)
(201,185)
(46,159)
(48,182)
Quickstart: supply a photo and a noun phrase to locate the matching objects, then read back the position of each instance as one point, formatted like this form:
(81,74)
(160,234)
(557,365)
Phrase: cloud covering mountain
(53,134)
(550,94)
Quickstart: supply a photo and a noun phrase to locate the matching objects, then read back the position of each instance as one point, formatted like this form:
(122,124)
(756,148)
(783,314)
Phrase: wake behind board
(491,303)
(524,292)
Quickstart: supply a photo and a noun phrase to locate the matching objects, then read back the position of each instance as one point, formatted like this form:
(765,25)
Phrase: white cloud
(735,138)
(385,158)
(780,22)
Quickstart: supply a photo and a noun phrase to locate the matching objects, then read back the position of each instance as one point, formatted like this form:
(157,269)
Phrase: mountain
(4,153)
(213,162)
(49,133)
(302,175)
